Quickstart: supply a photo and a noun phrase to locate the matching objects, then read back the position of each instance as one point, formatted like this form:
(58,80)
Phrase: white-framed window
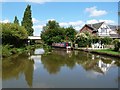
(103,30)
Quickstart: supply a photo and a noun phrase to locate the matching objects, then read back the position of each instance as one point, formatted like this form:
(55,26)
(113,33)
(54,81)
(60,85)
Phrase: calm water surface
(60,69)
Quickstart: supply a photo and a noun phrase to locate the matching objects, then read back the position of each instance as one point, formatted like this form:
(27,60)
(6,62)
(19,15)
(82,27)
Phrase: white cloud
(37,29)
(94,12)
(107,21)
(52,19)
(92,21)
(64,24)
(4,21)
(97,21)
(38,26)
(77,24)
(35,20)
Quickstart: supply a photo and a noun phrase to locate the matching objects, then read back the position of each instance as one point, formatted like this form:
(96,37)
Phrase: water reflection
(16,66)
(58,59)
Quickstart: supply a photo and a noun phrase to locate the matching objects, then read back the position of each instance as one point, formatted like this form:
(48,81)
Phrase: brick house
(101,29)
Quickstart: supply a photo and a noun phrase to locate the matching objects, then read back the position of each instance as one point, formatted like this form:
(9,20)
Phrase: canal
(60,69)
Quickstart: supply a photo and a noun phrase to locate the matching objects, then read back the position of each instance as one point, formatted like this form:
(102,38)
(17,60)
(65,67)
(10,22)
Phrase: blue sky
(66,13)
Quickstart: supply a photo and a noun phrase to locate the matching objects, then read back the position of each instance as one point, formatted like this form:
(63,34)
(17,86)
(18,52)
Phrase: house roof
(95,26)
(113,27)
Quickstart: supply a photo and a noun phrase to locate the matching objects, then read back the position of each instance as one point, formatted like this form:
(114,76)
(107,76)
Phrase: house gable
(87,28)
(104,30)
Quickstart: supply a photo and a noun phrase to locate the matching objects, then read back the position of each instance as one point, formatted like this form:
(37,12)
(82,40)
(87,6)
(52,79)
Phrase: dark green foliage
(13,34)
(70,33)
(106,40)
(27,20)
(116,45)
(16,21)
(95,39)
(52,32)
(81,40)
(6,50)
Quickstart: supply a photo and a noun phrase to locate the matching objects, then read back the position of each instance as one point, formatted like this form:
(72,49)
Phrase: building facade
(101,29)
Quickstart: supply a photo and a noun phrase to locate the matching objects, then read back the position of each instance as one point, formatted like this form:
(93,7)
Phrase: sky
(65,13)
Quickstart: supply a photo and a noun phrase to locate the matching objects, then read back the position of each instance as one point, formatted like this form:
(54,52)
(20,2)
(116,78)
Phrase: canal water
(60,69)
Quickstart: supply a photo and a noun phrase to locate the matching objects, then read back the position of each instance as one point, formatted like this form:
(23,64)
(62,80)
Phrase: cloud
(52,19)
(4,21)
(76,24)
(92,21)
(97,21)
(94,12)
(37,29)
(107,21)
(38,26)
(35,20)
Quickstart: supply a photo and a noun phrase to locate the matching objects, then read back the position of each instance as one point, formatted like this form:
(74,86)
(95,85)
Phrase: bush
(82,40)
(116,45)
(6,50)
(106,40)
(13,34)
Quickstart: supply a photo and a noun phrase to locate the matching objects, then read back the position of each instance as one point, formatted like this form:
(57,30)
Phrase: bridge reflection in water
(59,69)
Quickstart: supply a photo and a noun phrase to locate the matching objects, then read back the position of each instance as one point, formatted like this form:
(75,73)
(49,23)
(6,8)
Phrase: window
(103,30)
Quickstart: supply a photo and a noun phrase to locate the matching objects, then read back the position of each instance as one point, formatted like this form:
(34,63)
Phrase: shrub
(6,50)
(13,34)
(116,45)
(106,40)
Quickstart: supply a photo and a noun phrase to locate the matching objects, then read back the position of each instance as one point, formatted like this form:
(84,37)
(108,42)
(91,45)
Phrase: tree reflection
(59,58)
(13,66)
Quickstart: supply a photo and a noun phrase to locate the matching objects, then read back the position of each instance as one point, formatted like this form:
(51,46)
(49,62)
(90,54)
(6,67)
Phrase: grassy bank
(8,50)
(108,52)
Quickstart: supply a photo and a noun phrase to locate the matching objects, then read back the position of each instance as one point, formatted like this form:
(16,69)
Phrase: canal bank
(106,51)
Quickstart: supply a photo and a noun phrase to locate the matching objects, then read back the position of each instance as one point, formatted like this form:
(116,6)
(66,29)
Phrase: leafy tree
(116,43)
(106,40)
(27,20)
(52,32)
(70,33)
(16,21)
(13,34)
(81,40)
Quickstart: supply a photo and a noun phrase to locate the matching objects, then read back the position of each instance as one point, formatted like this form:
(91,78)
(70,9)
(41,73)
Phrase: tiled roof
(113,27)
(95,26)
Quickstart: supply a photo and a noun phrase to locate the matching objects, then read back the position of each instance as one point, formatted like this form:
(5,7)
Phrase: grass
(108,51)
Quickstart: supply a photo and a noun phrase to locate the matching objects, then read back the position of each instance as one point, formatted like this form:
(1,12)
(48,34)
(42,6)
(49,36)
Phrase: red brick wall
(85,28)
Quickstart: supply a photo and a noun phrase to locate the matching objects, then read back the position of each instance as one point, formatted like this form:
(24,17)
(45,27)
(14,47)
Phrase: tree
(16,21)
(70,33)
(13,34)
(106,40)
(27,20)
(52,32)
(81,40)
(116,43)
